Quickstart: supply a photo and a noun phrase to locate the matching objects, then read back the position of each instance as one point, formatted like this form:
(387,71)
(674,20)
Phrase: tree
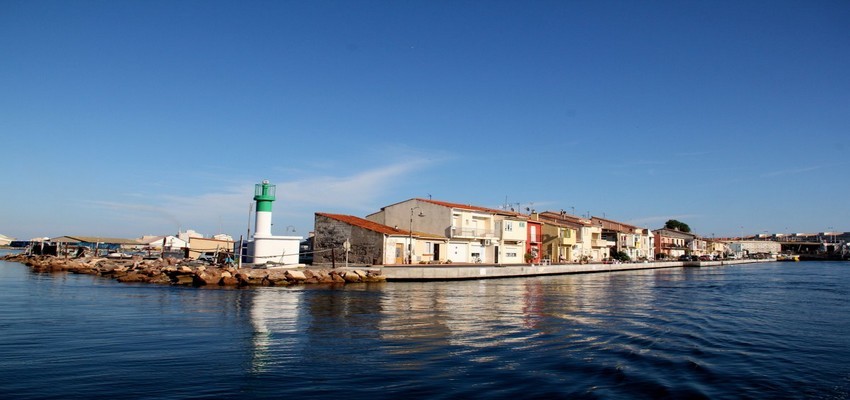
(679,226)
(620,255)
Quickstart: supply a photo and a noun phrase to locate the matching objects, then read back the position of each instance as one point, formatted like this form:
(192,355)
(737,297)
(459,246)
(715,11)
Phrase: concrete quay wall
(489,271)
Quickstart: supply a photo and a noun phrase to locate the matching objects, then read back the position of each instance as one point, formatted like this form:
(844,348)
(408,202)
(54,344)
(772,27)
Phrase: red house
(534,242)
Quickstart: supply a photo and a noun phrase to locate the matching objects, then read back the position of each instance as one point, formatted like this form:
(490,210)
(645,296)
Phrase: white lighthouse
(266,248)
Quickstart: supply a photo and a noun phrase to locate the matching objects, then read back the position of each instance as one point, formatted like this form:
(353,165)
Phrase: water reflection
(277,322)
(768,330)
(420,317)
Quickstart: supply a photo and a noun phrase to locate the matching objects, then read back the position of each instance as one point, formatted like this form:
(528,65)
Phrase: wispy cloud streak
(791,171)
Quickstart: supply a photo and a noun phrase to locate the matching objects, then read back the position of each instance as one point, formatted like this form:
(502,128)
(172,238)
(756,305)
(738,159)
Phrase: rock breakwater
(171,271)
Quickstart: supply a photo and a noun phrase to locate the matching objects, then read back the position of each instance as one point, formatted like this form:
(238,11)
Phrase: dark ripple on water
(765,331)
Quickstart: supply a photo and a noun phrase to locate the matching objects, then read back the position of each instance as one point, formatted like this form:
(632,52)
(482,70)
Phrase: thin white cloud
(227,206)
(358,190)
(355,191)
(140,210)
(790,171)
(693,154)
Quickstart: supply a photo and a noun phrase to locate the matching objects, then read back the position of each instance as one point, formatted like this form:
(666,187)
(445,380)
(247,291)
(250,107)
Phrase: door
(437,252)
(399,253)
(457,252)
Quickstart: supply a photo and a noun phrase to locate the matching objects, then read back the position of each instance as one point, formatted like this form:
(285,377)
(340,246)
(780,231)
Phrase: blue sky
(125,118)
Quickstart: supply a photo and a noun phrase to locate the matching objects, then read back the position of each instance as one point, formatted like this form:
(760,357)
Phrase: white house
(474,233)
(5,240)
(166,243)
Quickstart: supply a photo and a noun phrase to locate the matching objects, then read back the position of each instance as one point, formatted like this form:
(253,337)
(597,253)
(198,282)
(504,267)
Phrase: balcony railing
(601,243)
(568,241)
(471,232)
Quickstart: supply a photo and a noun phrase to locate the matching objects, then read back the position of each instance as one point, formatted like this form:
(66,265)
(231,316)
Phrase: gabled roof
(674,233)
(158,239)
(473,208)
(563,217)
(376,227)
(615,225)
(553,222)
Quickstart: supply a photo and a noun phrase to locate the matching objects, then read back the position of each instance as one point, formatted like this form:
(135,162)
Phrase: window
(509,226)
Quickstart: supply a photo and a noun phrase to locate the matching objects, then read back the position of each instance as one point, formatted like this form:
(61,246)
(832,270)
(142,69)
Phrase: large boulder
(207,276)
(229,281)
(134,277)
(252,277)
(295,276)
(276,277)
(336,277)
(351,277)
(374,276)
(183,280)
(322,276)
(161,279)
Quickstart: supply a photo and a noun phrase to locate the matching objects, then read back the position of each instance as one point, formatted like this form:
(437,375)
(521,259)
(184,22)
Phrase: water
(777,330)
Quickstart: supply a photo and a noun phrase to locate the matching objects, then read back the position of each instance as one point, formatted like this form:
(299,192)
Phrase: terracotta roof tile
(614,225)
(376,227)
(471,207)
(564,217)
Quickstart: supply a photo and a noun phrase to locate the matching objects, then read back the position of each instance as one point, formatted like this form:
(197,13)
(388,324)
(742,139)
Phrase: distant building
(755,248)
(189,233)
(98,245)
(202,246)
(223,236)
(166,243)
(672,243)
(5,240)
(629,239)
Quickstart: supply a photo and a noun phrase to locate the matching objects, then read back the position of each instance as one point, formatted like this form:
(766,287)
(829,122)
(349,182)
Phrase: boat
(119,255)
(788,257)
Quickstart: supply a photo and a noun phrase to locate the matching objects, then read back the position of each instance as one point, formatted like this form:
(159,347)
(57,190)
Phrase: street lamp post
(410,232)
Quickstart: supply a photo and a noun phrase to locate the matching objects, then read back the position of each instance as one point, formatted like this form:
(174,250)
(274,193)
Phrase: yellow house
(559,240)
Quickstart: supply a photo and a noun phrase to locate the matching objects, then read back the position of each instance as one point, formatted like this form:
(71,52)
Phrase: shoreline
(170,271)
(398,273)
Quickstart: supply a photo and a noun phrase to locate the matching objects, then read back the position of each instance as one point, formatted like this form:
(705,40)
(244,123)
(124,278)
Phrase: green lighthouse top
(264,192)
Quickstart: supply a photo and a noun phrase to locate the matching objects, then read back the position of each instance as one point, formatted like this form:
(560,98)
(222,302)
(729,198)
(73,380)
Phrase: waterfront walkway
(427,272)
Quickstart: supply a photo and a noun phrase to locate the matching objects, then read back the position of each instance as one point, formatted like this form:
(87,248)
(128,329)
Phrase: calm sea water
(778,330)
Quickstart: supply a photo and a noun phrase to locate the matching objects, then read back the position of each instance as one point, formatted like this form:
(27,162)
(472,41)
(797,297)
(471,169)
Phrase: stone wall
(366,245)
(171,271)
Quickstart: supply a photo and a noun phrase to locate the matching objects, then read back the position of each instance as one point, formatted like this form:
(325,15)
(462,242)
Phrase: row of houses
(427,231)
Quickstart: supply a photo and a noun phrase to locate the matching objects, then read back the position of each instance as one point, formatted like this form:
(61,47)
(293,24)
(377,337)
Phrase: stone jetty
(171,271)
